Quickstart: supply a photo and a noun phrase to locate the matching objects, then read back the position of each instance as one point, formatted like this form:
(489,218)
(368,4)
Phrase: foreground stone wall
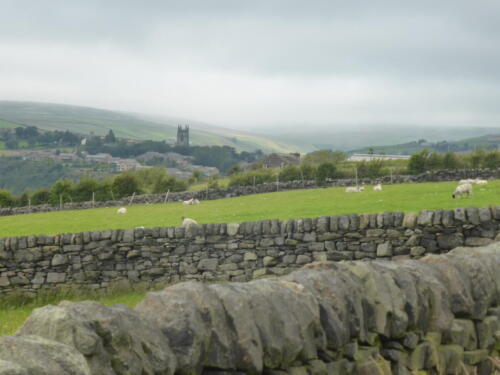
(434,176)
(439,315)
(236,252)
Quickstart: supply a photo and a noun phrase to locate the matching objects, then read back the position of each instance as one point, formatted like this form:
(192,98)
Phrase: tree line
(323,165)
(151,180)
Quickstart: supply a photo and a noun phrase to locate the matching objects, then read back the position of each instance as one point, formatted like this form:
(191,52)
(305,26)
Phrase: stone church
(182,136)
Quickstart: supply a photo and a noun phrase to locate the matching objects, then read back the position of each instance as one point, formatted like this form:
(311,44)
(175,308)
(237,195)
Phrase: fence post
(93,199)
(166,196)
(254,182)
(29,204)
(392,181)
(356,172)
(60,201)
(206,193)
(131,199)
(277,183)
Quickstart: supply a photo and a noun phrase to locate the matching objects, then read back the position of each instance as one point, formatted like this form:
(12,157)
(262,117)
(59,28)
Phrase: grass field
(282,205)
(11,318)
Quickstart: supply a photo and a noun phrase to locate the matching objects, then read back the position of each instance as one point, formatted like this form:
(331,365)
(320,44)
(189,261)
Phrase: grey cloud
(238,62)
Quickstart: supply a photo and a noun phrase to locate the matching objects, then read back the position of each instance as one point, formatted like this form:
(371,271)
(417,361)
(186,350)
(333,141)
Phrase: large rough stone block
(33,355)
(111,339)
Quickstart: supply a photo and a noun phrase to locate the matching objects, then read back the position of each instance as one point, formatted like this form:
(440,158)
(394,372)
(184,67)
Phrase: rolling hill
(352,137)
(489,142)
(86,120)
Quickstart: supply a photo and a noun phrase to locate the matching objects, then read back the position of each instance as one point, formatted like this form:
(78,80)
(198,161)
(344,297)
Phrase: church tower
(182,136)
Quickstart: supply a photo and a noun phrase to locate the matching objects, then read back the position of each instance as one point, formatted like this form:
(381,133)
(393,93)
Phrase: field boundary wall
(235,251)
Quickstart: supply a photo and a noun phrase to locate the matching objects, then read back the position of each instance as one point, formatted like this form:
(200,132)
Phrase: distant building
(369,157)
(280,160)
(182,136)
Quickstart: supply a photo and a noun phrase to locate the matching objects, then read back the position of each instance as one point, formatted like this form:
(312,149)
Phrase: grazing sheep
(121,210)
(467,181)
(353,189)
(481,182)
(191,201)
(377,187)
(187,221)
(462,189)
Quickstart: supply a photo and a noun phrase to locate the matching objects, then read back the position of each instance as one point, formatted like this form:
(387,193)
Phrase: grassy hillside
(7,125)
(126,125)
(282,205)
(348,138)
(469,144)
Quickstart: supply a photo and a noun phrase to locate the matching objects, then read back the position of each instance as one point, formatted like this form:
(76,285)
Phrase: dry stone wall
(439,315)
(235,252)
(434,176)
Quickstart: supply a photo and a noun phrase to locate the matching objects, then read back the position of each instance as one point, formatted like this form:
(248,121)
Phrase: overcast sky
(245,64)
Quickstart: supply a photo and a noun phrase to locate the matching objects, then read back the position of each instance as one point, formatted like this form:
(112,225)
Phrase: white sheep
(121,210)
(466,181)
(187,221)
(480,182)
(189,202)
(354,189)
(462,189)
(377,187)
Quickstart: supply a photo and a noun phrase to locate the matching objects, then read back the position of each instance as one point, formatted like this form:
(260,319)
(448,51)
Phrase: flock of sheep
(355,189)
(464,188)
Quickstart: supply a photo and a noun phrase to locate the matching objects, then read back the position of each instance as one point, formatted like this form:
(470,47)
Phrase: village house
(280,160)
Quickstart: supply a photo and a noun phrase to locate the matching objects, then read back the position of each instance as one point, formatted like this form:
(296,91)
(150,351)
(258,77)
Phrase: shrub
(125,185)
(290,173)
(41,196)
(61,190)
(83,190)
(325,171)
(6,199)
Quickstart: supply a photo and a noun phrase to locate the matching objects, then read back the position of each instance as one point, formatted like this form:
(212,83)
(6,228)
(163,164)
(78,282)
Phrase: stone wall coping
(335,223)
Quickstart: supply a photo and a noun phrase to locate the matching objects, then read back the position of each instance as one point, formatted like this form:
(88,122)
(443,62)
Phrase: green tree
(41,196)
(434,161)
(197,175)
(124,185)
(22,200)
(83,190)
(170,183)
(235,169)
(418,161)
(6,199)
(290,173)
(492,160)
(62,189)
(450,161)
(325,171)
(323,156)
(308,172)
(477,158)
(110,137)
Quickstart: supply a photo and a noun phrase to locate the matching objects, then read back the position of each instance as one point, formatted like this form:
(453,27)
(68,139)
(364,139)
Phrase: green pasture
(281,205)
(13,315)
